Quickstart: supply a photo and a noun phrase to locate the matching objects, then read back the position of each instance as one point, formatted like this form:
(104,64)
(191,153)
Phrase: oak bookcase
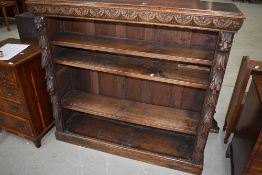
(136,79)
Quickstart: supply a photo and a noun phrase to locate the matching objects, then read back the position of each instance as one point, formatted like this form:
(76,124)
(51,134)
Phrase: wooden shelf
(148,49)
(167,118)
(192,76)
(132,136)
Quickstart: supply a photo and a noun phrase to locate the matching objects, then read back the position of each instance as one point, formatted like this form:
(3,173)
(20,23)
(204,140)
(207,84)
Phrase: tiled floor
(20,157)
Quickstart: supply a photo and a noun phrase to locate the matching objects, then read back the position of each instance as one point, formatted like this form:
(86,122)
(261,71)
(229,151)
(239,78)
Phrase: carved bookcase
(136,79)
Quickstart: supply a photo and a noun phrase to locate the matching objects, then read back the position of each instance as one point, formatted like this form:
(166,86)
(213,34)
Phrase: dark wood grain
(134,112)
(135,48)
(167,72)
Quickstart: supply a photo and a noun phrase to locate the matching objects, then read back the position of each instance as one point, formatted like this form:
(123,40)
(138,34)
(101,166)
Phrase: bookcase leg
(215,128)
(37,143)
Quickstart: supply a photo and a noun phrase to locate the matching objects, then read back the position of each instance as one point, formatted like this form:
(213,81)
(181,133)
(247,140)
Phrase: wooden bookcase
(135,79)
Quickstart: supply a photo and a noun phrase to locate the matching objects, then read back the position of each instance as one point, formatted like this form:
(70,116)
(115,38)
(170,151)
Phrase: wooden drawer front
(255,167)
(7,73)
(14,108)
(21,126)
(10,93)
(4,82)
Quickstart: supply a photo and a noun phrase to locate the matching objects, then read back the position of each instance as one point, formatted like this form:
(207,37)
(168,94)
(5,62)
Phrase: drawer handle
(15,108)
(9,92)
(19,125)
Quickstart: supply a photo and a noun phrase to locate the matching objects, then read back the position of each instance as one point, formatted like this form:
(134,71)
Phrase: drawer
(7,73)
(4,82)
(14,108)
(17,125)
(10,93)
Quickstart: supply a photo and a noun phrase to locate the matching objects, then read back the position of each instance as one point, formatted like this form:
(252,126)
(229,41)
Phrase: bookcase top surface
(194,14)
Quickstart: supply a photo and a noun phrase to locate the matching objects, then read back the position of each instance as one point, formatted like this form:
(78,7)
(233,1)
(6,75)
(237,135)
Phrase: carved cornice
(139,15)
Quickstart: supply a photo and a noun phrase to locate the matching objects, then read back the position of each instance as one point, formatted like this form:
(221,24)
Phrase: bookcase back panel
(182,37)
(139,90)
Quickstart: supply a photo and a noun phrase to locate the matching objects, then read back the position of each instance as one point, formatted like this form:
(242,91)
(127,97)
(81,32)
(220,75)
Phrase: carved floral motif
(96,12)
(222,23)
(129,14)
(140,15)
(202,20)
(183,19)
(225,42)
(216,77)
(47,64)
(146,15)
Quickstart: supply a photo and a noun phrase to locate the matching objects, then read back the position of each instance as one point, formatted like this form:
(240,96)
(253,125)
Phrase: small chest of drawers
(25,107)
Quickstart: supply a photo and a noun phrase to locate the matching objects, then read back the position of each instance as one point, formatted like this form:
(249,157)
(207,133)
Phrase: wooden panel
(168,72)
(63,86)
(15,124)
(107,84)
(56,25)
(133,89)
(81,80)
(140,90)
(33,84)
(121,87)
(132,136)
(193,99)
(204,38)
(161,94)
(134,112)
(107,29)
(176,96)
(135,32)
(146,92)
(76,26)
(140,48)
(121,30)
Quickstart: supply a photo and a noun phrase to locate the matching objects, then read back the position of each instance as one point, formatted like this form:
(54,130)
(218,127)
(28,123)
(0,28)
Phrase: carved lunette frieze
(140,15)
(216,78)
(47,64)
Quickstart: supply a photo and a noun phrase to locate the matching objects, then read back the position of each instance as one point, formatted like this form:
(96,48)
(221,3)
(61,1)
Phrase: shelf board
(168,72)
(172,144)
(134,112)
(141,48)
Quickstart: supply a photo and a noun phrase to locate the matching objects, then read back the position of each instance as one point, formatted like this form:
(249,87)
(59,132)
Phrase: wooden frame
(248,67)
